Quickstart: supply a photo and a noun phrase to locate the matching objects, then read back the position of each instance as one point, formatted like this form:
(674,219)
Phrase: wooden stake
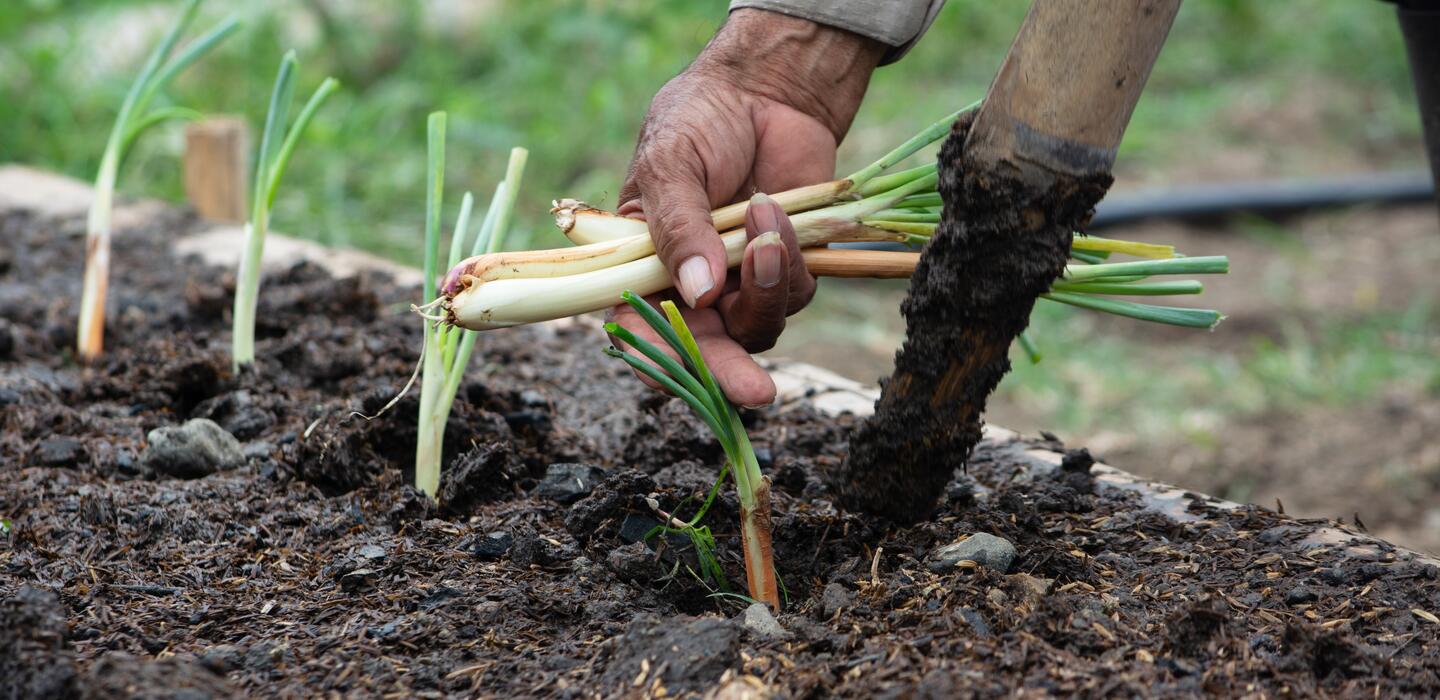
(217,168)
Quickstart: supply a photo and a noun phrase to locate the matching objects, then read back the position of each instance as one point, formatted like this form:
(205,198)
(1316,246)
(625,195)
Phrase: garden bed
(312,567)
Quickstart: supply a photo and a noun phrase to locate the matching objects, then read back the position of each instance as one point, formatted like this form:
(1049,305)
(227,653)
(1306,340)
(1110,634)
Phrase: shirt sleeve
(895,23)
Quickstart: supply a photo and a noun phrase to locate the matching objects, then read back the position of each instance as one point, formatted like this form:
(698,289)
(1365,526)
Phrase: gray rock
(1300,595)
(632,562)
(372,551)
(987,550)
(358,579)
(758,621)
(193,450)
(835,598)
(492,546)
(568,483)
(58,452)
(258,450)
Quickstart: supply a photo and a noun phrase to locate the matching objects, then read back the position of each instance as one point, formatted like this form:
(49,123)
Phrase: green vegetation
(576,77)
(134,118)
(1243,89)
(693,383)
(447,349)
(277,144)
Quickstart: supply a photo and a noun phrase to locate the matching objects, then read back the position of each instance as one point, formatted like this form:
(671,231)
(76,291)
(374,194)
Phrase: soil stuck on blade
(999,246)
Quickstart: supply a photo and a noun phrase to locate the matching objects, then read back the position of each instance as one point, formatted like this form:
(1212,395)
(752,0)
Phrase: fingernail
(767,259)
(695,279)
(765,212)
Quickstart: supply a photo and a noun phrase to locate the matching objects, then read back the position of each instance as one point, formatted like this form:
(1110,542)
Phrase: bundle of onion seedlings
(447,349)
(277,144)
(690,379)
(614,253)
(134,118)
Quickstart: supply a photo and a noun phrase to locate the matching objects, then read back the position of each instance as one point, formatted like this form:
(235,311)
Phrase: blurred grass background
(1323,328)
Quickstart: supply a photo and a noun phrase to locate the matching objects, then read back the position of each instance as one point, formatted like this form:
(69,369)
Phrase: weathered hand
(751,311)
(762,109)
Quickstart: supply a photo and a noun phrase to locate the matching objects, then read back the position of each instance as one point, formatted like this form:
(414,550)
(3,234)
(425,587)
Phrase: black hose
(1275,198)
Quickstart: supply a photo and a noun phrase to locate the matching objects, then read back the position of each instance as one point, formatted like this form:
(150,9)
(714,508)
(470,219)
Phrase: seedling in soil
(447,348)
(134,118)
(616,253)
(690,379)
(277,144)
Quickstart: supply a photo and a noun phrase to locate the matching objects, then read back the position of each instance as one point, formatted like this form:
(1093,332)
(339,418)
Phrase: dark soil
(1001,243)
(314,569)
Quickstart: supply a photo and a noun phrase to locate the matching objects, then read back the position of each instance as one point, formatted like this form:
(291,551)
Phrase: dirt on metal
(999,246)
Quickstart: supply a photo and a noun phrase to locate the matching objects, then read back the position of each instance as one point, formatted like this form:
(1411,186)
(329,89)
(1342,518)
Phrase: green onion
(133,120)
(447,349)
(1170,315)
(277,145)
(690,379)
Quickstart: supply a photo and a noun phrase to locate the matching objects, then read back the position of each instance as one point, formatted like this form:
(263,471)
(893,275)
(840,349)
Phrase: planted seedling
(690,379)
(134,118)
(277,144)
(446,348)
(614,253)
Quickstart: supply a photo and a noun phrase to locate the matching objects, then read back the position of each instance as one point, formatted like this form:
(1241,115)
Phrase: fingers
(755,314)
(765,214)
(740,377)
(667,182)
(743,381)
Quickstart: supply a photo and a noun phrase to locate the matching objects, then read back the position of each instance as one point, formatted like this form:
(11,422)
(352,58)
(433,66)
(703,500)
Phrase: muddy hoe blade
(1016,181)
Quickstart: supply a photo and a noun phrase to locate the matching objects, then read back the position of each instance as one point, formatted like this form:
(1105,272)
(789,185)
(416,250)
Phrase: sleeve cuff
(895,23)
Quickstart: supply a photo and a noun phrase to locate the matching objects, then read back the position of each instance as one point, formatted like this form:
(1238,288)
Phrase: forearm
(897,24)
(817,69)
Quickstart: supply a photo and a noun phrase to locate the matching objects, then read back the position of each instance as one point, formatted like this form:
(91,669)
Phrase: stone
(358,579)
(1300,595)
(372,551)
(492,546)
(193,450)
(568,483)
(632,562)
(58,452)
(636,526)
(835,598)
(758,621)
(987,550)
(258,450)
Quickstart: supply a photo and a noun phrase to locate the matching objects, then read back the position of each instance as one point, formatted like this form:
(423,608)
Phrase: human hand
(751,311)
(761,109)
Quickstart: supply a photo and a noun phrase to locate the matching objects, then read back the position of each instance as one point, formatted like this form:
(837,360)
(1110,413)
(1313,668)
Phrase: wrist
(819,70)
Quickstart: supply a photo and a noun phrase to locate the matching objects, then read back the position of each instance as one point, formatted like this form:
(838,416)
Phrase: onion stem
(133,119)
(446,350)
(277,144)
(690,379)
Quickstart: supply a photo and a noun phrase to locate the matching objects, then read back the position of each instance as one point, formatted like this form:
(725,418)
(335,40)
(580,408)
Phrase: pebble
(357,579)
(493,545)
(758,620)
(567,483)
(258,449)
(58,452)
(987,550)
(193,450)
(1300,595)
(632,562)
(835,598)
